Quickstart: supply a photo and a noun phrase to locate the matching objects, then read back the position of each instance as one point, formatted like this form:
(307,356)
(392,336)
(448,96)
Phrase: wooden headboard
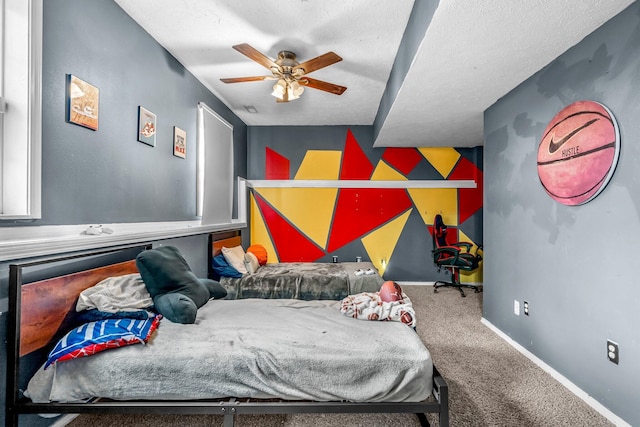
(46,304)
(217,245)
(216,242)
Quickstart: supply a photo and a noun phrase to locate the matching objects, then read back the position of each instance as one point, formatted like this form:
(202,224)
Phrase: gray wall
(107,176)
(574,265)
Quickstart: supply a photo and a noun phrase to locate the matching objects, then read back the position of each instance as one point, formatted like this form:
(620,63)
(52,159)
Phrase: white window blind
(215,167)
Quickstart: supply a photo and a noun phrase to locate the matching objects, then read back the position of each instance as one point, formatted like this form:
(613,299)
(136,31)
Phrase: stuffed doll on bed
(390,303)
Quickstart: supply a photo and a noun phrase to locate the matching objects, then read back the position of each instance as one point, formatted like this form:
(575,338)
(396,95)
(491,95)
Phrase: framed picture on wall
(146,126)
(82,103)
(179,142)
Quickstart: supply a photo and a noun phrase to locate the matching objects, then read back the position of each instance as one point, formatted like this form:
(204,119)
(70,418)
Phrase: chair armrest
(468,247)
(452,251)
(465,245)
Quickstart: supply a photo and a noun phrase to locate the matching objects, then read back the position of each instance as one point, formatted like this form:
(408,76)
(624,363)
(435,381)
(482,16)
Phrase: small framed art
(83,100)
(146,126)
(179,142)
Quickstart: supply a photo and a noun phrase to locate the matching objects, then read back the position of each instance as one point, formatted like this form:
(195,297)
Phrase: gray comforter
(304,280)
(287,349)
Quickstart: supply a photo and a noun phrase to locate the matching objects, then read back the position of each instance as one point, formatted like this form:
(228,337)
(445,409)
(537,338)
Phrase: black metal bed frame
(229,408)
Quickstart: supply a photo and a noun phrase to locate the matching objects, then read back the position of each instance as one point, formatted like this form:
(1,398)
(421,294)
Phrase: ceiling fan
(290,74)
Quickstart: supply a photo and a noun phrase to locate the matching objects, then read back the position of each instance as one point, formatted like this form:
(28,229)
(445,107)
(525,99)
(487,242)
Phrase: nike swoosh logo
(555,146)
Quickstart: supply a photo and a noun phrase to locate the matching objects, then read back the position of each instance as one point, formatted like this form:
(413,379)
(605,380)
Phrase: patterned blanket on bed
(304,281)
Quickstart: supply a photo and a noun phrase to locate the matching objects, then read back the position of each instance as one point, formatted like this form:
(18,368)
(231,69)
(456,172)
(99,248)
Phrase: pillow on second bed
(221,268)
(260,252)
(251,262)
(235,258)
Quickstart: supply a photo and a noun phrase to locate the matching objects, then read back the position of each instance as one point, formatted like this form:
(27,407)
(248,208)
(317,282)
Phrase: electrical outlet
(516,307)
(525,308)
(613,352)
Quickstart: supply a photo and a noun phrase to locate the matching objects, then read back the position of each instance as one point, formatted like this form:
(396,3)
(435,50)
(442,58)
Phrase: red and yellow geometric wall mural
(312,224)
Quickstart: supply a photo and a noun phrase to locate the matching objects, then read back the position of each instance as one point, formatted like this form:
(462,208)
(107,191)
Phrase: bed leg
(11,419)
(441,393)
(444,406)
(424,422)
(228,420)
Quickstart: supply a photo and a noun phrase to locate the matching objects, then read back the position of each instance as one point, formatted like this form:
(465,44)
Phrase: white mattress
(288,349)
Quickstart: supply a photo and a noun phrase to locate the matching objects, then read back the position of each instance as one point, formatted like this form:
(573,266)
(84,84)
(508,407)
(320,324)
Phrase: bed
(265,356)
(299,280)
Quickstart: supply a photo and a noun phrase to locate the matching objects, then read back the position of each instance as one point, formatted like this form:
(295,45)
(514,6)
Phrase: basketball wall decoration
(578,152)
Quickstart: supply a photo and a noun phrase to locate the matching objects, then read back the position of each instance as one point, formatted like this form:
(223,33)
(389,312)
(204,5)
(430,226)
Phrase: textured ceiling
(472,53)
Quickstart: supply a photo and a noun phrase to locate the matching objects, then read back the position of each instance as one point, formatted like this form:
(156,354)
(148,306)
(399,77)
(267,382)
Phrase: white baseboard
(402,283)
(559,377)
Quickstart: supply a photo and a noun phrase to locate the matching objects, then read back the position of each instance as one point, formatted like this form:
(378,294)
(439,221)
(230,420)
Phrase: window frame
(21,109)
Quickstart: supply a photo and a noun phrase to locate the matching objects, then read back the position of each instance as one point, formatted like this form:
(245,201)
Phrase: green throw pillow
(177,293)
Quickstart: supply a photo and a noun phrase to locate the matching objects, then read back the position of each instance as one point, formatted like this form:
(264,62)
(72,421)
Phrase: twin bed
(298,280)
(242,356)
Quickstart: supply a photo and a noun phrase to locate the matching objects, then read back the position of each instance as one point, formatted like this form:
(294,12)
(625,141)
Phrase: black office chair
(453,257)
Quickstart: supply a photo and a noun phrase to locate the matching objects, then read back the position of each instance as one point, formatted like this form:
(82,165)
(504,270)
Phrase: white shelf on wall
(26,242)
(313,183)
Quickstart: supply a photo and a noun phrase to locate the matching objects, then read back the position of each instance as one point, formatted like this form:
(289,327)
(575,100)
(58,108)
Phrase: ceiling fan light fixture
(280,96)
(289,72)
(291,96)
(295,89)
(279,89)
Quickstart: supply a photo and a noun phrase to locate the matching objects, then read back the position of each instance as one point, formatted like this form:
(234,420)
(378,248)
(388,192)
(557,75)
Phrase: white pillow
(235,258)
(251,262)
(117,293)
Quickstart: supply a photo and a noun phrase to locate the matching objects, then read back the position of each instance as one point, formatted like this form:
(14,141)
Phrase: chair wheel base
(458,286)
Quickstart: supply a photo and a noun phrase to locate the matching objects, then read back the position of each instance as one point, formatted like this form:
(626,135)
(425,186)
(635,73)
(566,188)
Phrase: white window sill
(26,242)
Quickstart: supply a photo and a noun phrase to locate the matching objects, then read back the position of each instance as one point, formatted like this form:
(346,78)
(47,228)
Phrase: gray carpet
(490,383)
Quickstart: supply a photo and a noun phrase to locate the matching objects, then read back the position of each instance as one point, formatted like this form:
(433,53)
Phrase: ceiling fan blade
(318,62)
(255,55)
(321,85)
(246,79)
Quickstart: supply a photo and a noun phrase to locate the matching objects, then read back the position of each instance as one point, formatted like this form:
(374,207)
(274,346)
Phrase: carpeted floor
(490,383)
